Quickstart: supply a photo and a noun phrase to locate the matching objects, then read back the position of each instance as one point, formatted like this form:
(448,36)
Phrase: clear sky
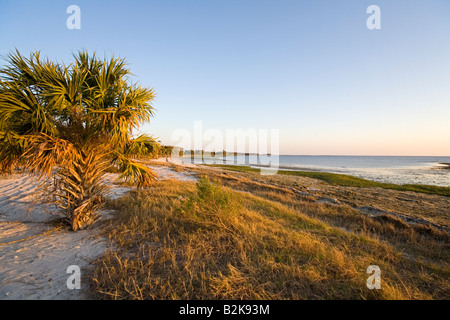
(309,68)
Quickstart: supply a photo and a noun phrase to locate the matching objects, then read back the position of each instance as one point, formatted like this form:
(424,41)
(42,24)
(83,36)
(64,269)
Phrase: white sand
(176,161)
(35,269)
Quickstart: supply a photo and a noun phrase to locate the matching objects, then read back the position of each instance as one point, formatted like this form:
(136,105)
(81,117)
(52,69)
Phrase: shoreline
(421,176)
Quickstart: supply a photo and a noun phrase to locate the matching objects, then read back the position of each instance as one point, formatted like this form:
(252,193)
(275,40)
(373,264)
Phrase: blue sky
(309,68)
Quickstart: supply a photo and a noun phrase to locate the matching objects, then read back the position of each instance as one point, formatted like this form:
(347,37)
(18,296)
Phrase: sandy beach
(35,251)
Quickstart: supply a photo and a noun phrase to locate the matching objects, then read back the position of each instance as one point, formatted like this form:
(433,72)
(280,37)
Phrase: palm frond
(134,172)
(143,145)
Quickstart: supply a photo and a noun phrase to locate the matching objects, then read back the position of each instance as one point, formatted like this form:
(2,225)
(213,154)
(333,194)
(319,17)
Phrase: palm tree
(71,123)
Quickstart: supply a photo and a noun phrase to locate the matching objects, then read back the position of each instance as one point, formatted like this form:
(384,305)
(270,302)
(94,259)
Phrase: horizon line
(320,155)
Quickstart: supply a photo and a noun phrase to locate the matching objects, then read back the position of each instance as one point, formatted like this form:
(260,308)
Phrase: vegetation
(206,241)
(347,181)
(70,123)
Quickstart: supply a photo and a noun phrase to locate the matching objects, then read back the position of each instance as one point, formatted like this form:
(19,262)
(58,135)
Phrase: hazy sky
(311,69)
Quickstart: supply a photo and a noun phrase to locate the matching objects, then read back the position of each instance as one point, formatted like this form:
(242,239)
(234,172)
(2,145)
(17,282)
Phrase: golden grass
(419,240)
(179,240)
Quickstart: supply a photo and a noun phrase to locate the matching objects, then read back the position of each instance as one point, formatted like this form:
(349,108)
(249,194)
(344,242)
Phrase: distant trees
(71,123)
(168,151)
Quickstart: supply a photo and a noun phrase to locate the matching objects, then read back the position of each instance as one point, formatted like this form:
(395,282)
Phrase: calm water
(400,170)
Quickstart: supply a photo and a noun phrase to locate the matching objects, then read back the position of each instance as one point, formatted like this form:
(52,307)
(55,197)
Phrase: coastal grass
(180,240)
(422,241)
(419,240)
(346,180)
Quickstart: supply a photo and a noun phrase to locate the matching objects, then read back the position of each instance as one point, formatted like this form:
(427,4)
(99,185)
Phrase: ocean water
(389,169)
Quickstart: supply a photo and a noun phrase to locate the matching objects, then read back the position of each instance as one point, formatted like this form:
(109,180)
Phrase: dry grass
(206,241)
(416,239)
